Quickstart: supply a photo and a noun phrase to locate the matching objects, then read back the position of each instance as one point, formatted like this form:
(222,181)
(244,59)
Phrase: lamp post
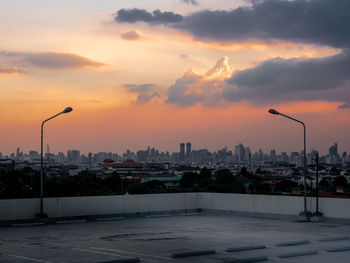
(305,215)
(41,214)
(317,216)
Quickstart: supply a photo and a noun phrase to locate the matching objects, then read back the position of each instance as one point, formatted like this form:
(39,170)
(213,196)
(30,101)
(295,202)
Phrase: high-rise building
(182,151)
(333,150)
(240,152)
(188,149)
(273,155)
(73,156)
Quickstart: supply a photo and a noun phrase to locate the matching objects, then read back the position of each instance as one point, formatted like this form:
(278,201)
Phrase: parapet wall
(17,209)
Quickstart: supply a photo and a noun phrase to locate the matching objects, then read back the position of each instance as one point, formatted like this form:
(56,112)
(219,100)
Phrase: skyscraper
(182,151)
(240,152)
(188,149)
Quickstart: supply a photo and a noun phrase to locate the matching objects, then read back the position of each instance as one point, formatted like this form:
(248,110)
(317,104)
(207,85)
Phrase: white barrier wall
(15,209)
(97,205)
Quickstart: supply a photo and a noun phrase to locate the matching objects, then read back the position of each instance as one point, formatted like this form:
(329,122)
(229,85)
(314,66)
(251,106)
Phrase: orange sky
(106,116)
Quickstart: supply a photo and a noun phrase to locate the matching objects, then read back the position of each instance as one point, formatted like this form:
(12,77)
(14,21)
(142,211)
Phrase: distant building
(73,156)
(182,151)
(240,152)
(188,149)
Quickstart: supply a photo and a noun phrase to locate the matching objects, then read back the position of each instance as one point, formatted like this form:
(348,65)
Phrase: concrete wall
(17,209)
(103,205)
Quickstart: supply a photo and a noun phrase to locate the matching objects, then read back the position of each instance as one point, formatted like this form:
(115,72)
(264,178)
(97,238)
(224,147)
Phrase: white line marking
(98,252)
(32,259)
(109,254)
(170,245)
(137,254)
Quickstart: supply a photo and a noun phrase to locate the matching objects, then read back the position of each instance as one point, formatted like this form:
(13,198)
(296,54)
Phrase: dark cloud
(11,70)
(145,92)
(190,2)
(307,21)
(344,106)
(53,60)
(285,80)
(131,35)
(140,15)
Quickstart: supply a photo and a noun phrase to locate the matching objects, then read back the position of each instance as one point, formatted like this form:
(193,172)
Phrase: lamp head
(66,110)
(273,111)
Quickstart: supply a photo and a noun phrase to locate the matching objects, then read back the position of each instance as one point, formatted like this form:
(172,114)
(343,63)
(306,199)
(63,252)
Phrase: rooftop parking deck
(170,236)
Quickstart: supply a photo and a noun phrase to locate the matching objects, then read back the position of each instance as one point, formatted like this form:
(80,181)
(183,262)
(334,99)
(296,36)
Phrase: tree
(205,173)
(285,186)
(224,177)
(334,171)
(340,181)
(189,180)
(324,184)
(244,172)
(112,183)
(205,178)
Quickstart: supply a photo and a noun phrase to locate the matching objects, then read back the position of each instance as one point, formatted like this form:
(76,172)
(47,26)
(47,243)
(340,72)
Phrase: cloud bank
(53,60)
(271,82)
(314,21)
(140,15)
(321,22)
(284,80)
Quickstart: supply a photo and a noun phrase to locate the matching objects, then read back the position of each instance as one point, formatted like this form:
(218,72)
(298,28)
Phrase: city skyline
(186,154)
(141,73)
(231,147)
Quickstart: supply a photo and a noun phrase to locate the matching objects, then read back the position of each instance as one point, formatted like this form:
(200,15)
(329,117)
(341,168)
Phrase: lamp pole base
(41,216)
(304,216)
(317,217)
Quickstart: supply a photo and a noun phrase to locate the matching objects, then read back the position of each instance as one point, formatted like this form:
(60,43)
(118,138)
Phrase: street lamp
(304,214)
(41,214)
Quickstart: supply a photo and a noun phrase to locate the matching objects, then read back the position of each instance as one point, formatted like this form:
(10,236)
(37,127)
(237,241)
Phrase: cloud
(274,81)
(145,92)
(131,35)
(11,71)
(140,15)
(53,60)
(190,2)
(284,80)
(306,21)
(344,106)
(192,88)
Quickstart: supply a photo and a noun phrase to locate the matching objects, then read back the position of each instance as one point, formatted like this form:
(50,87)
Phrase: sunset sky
(139,73)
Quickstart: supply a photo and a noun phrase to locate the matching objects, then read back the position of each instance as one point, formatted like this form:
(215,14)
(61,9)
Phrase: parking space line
(31,259)
(109,254)
(132,253)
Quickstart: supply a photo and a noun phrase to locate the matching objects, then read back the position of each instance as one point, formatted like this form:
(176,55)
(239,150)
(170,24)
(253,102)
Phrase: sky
(158,73)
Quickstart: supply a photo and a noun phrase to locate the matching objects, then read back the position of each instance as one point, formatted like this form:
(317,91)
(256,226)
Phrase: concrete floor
(156,239)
